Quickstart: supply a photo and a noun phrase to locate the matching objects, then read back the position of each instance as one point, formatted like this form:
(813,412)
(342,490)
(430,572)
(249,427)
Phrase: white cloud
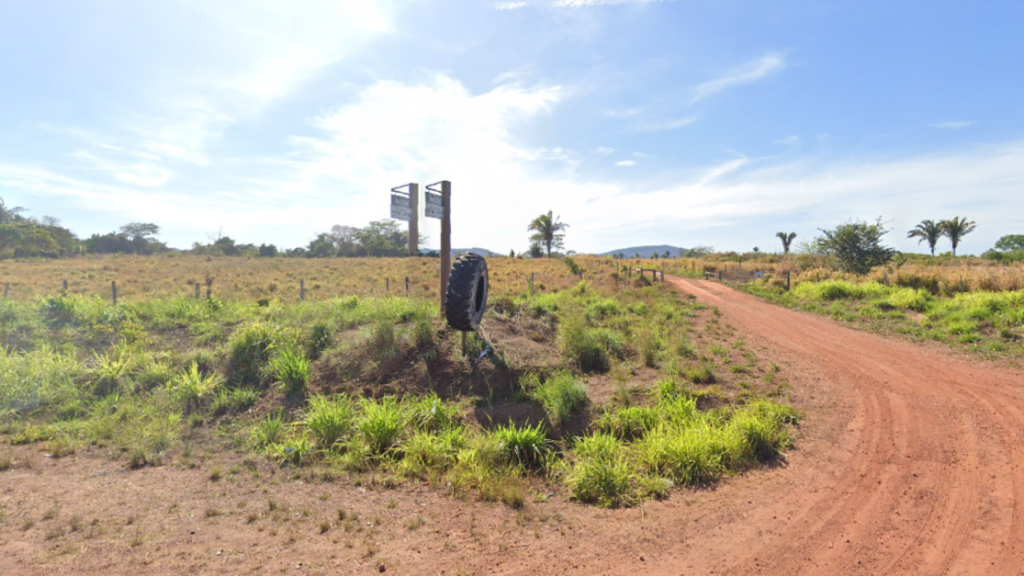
(509,5)
(625,163)
(750,72)
(585,3)
(393,132)
(605,150)
(665,125)
(952,125)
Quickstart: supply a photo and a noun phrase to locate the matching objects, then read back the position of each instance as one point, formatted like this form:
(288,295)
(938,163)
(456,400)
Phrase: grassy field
(980,321)
(239,278)
(614,393)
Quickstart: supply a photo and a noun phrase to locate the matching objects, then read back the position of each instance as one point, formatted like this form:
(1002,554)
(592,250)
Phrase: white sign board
(401,208)
(434,207)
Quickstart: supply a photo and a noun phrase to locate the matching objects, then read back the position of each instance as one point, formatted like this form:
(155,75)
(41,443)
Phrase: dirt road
(918,469)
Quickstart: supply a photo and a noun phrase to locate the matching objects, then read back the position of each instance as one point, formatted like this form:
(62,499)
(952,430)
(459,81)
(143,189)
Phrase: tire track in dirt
(935,481)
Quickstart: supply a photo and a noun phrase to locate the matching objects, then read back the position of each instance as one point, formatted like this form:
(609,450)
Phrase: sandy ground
(909,461)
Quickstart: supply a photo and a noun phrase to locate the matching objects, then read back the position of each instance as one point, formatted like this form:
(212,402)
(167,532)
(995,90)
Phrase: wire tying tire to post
(466,298)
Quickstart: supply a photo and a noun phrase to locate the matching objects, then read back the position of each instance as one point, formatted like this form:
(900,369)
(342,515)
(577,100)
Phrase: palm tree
(9,215)
(787,239)
(928,231)
(547,228)
(956,229)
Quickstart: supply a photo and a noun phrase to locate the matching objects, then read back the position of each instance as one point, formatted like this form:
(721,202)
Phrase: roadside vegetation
(614,393)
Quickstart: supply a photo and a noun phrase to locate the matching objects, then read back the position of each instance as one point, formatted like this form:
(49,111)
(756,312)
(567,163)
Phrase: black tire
(466,298)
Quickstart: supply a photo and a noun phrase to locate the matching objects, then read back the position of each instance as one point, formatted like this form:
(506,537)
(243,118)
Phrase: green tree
(855,246)
(787,240)
(535,250)
(956,229)
(10,215)
(1010,242)
(927,231)
(548,231)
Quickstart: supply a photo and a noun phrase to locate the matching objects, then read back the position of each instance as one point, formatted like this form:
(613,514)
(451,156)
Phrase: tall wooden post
(302,290)
(197,290)
(446,238)
(414,227)
(113,291)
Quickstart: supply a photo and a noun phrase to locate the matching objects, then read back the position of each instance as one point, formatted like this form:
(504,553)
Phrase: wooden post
(787,281)
(532,275)
(387,285)
(7,290)
(407,286)
(446,238)
(961,283)
(719,275)
(65,284)
(662,275)
(197,290)
(414,227)
(302,290)
(113,291)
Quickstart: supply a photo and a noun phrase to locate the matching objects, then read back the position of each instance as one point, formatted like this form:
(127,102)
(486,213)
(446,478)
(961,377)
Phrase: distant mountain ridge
(646,251)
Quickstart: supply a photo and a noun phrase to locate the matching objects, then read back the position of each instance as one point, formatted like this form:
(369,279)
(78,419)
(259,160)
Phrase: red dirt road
(927,478)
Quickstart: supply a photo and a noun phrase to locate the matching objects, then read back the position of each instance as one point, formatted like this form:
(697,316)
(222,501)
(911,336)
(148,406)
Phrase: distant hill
(647,251)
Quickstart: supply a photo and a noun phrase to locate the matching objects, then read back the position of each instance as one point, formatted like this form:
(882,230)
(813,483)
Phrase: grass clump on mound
(562,396)
(641,452)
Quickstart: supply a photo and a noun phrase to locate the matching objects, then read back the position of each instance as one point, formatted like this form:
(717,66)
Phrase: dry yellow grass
(238,278)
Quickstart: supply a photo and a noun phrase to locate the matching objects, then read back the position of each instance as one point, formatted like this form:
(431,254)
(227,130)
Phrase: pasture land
(979,321)
(251,279)
(588,390)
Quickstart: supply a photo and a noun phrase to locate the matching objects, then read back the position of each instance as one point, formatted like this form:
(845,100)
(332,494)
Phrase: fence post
(302,290)
(787,281)
(113,290)
(65,284)
(197,290)
(387,284)
(719,275)
(7,290)
(532,275)
(961,283)
(407,286)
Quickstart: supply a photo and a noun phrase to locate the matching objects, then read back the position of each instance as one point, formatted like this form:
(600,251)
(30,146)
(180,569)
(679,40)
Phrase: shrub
(608,483)
(648,344)
(426,451)
(908,299)
(320,338)
(249,352)
(629,423)
(690,456)
(291,369)
(701,374)
(330,420)
(380,423)
(382,343)
(599,446)
(431,413)
(192,387)
(234,400)
(268,431)
(526,446)
(562,396)
(588,347)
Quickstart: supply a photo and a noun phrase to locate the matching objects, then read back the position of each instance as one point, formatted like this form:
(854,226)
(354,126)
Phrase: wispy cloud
(509,5)
(674,124)
(584,3)
(605,150)
(952,124)
(625,163)
(746,74)
(789,140)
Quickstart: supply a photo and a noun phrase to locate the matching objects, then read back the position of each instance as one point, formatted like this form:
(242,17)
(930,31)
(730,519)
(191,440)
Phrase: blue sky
(691,122)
